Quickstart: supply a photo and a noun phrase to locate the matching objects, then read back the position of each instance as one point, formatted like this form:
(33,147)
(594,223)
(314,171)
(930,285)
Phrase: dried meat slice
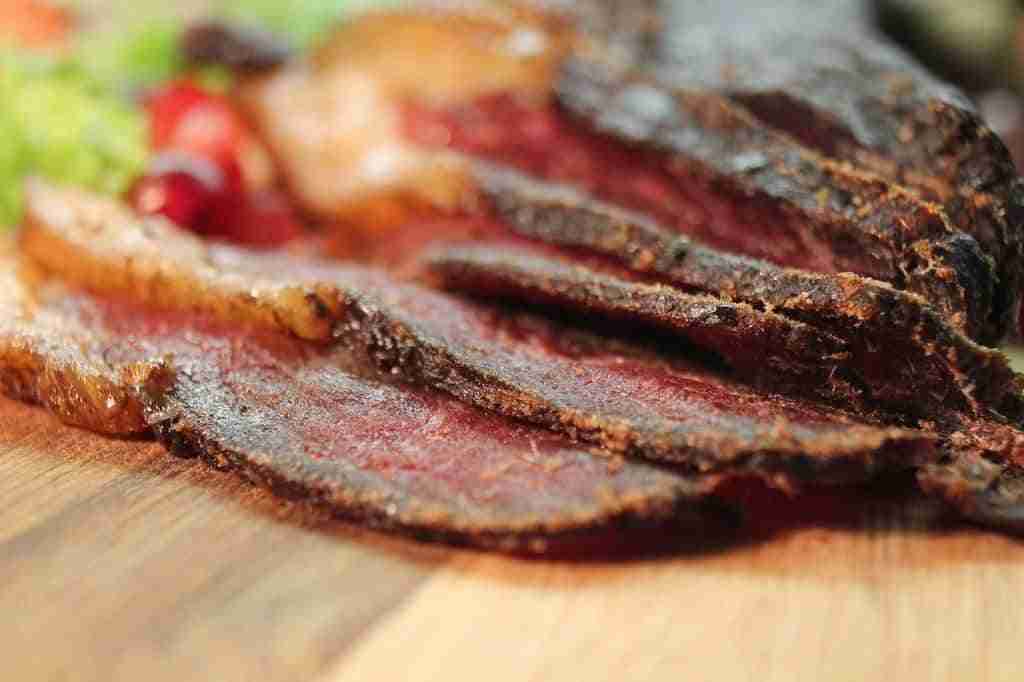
(596,389)
(762,348)
(926,366)
(310,423)
(46,361)
(981,474)
(821,73)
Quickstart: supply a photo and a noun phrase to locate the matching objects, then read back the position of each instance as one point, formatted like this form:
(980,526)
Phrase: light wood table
(119,562)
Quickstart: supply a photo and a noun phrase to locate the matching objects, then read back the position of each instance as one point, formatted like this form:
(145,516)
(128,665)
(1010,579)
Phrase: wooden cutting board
(119,562)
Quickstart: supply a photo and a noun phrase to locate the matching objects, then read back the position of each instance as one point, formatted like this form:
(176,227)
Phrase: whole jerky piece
(309,423)
(820,72)
(596,389)
(907,356)
(850,232)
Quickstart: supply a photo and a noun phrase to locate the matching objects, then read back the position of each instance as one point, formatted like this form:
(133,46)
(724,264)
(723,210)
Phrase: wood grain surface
(120,562)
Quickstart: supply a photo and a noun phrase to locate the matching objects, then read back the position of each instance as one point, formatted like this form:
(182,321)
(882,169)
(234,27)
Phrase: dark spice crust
(906,355)
(859,221)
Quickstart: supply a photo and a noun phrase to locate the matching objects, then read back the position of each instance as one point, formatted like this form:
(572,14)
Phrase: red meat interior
(545,142)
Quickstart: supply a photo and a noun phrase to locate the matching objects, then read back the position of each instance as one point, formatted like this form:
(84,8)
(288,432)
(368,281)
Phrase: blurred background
(977,44)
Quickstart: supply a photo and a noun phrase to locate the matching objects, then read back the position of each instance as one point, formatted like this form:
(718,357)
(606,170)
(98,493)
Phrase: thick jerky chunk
(310,424)
(596,389)
(763,348)
(833,83)
(903,238)
(907,356)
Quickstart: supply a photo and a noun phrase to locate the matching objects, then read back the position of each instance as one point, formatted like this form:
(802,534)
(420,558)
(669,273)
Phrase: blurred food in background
(118,99)
(34,23)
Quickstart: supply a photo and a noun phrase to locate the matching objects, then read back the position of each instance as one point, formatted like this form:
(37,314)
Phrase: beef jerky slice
(310,423)
(761,348)
(902,353)
(46,360)
(827,78)
(596,389)
(981,473)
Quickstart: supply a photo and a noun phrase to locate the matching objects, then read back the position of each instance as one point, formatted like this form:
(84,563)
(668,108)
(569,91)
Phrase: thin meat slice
(310,423)
(902,352)
(981,474)
(596,389)
(46,360)
(762,348)
(823,74)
